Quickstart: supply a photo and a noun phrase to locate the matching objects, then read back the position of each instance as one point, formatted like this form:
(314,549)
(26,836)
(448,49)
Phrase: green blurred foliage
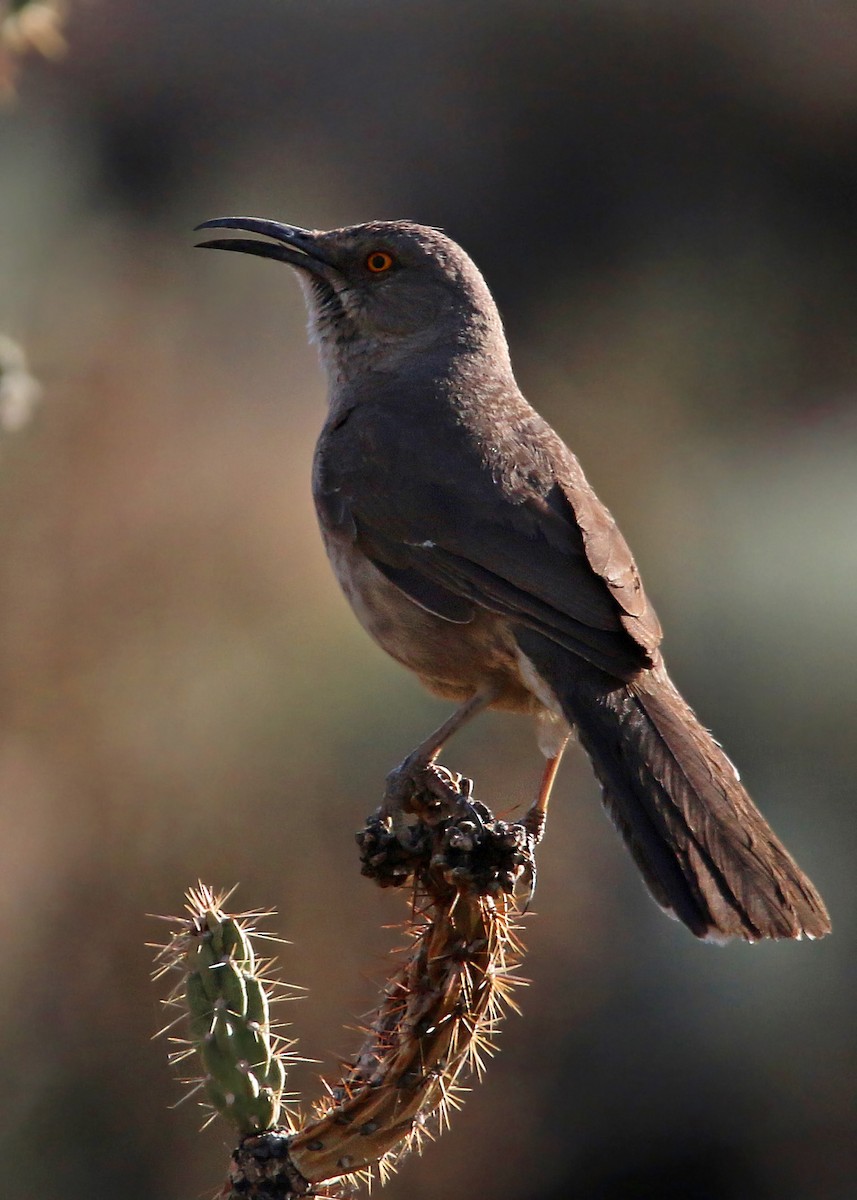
(663,197)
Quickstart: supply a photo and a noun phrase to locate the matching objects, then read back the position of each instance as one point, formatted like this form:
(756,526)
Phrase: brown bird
(471,547)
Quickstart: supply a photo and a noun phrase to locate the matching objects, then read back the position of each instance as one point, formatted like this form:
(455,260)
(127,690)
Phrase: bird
(471,547)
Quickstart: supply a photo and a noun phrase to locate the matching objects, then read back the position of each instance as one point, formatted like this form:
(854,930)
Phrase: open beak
(289,244)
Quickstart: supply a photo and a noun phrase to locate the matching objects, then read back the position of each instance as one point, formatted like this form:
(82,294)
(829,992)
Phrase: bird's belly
(452,660)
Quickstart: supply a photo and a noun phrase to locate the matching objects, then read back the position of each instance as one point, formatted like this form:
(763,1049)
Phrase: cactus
(222,994)
(437,1018)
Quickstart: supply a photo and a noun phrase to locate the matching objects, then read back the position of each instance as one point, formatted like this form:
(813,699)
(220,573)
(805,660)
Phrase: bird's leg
(534,821)
(536,817)
(404,779)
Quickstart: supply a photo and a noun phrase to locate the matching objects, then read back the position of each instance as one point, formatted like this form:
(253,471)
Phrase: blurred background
(663,199)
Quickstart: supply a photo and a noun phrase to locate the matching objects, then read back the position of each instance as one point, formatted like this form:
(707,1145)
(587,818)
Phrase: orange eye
(378,261)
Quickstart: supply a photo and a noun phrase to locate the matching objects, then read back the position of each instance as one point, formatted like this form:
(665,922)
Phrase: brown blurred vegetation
(663,197)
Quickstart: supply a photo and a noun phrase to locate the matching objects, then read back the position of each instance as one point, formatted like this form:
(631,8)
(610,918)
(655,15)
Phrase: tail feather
(705,851)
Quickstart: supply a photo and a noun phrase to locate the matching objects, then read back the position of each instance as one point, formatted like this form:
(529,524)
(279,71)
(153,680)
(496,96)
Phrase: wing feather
(502,519)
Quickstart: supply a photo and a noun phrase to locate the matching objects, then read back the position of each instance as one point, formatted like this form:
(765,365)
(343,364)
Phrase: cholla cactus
(437,1019)
(437,1022)
(222,993)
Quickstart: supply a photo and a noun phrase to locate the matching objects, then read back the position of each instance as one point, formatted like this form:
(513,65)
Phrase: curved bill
(290,244)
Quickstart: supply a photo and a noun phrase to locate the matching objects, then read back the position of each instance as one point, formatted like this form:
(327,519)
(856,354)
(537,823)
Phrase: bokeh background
(663,197)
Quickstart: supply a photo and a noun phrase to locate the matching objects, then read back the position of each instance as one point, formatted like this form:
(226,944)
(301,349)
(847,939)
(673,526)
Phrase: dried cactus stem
(421,1041)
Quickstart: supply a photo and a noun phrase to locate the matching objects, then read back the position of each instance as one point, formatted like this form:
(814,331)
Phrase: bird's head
(379,295)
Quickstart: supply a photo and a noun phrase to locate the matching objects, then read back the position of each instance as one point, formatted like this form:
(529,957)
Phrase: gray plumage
(471,547)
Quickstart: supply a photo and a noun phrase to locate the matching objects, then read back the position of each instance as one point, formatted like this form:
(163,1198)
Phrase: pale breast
(452,660)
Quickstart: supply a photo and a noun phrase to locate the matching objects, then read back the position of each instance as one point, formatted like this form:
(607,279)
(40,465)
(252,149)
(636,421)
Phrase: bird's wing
(505,522)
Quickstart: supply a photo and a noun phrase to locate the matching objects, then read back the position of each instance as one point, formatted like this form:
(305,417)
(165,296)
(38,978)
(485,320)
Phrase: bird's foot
(418,797)
(534,822)
(407,782)
(418,784)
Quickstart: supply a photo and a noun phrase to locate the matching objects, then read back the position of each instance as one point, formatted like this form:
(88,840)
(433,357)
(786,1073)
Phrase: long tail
(704,849)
